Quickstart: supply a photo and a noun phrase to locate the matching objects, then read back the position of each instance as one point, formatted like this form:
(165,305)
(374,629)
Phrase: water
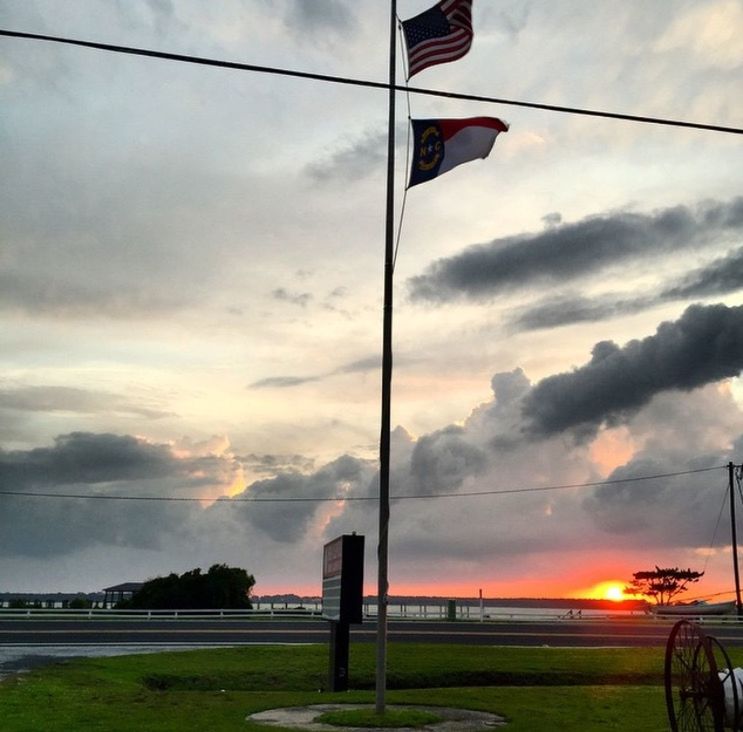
(498,612)
(465,610)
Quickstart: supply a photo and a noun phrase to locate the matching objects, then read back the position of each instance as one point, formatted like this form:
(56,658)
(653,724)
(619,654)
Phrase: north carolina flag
(441,144)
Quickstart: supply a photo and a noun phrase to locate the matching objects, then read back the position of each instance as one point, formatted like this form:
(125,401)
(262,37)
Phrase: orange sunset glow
(608,590)
(598,575)
(612,590)
(605,580)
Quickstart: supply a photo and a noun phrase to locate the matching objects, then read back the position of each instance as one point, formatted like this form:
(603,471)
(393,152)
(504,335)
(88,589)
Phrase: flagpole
(384,440)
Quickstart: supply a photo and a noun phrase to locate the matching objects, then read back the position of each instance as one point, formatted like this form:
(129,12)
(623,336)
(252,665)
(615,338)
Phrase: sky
(191,273)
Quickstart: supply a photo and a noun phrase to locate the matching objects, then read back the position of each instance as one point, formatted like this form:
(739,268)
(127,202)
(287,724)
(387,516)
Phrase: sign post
(342,600)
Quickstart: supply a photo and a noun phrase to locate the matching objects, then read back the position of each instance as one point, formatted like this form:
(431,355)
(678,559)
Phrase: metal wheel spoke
(705,716)
(686,719)
(694,692)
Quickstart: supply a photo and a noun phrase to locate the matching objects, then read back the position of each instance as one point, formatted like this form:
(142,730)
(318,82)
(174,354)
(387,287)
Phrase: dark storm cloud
(683,509)
(443,459)
(352,161)
(83,457)
(569,251)
(703,346)
(287,521)
(106,460)
(98,464)
(720,277)
(556,311)
(70,399)
(52,527)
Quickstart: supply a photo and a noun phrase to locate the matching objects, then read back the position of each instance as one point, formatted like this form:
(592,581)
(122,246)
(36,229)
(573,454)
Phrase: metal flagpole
(384,440)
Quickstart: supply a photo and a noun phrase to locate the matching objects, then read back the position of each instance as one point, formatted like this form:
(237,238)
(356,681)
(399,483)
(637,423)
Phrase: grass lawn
(578,690)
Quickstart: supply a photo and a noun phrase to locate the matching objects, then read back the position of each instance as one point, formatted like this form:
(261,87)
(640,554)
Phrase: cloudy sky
(191,266)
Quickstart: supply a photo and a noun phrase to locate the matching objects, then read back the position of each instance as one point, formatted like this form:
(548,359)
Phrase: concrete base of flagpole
(302,718)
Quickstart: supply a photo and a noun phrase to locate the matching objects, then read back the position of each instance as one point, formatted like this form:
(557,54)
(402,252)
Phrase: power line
(335,499)
(184,58)
(564,486)
(714,533)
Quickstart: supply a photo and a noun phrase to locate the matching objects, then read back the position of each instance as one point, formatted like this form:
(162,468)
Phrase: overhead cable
(185,58)
(337,499)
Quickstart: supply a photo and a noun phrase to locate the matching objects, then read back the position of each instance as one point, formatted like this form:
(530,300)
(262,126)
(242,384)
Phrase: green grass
(286,668)
(369,718)
(580,690)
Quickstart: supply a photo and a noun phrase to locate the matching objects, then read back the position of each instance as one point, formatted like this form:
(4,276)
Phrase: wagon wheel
(694,693)
(731,699)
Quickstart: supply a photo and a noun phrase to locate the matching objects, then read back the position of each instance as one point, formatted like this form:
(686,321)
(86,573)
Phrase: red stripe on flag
(450,127)
(454,40)
(447,5)
(438,51)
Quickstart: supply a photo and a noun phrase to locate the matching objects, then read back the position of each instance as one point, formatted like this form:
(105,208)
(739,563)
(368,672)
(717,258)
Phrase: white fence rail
(264,610)
(111,613)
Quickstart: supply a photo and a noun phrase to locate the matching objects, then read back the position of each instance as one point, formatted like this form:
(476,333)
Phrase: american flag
(440,34)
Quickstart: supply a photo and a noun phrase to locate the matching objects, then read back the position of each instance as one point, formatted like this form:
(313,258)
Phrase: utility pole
(731,479)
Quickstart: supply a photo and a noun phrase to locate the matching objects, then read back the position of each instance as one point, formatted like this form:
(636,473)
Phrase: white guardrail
(403,612)
(121,614)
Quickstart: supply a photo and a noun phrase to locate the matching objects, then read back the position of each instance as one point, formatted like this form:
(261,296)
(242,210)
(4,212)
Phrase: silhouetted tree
(220,587)
(662,583)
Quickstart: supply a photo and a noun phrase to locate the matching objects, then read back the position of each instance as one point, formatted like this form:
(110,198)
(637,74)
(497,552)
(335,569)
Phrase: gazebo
(117,593)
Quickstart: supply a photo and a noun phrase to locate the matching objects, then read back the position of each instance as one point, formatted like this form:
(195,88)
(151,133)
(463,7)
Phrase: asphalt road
(562,633)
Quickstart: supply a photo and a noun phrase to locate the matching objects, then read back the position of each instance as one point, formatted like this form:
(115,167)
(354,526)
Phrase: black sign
(343,579)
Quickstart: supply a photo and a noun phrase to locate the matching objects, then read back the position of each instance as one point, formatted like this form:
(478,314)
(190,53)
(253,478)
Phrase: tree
(662,583)
(80,603)
(220,587)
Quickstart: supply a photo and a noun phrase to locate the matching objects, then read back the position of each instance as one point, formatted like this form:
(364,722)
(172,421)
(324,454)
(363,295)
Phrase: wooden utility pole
(734,534)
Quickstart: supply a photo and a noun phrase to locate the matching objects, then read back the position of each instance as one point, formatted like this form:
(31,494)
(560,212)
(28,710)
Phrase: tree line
(221,587)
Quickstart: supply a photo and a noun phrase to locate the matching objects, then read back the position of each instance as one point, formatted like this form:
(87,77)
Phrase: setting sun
(608,590)
(614,592)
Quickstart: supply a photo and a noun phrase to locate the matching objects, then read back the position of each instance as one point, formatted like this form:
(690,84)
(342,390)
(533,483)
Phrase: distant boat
(699,607)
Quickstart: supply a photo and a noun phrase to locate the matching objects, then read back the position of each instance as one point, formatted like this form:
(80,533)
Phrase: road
(562,633)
